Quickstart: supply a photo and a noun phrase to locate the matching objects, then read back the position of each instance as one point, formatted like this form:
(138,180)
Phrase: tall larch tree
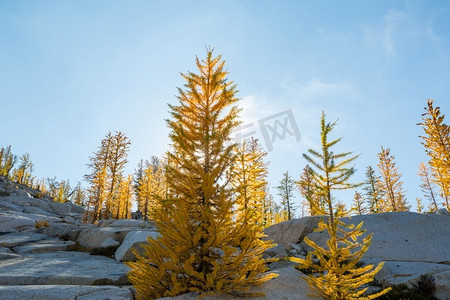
(286,190)
(98,180)
(336,275)
(202,247)
(428,188)
(120,144)
(437,146)
(311,198)
(372,192)
(390,184)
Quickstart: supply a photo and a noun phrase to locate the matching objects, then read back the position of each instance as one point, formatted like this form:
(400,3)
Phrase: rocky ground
(71,260)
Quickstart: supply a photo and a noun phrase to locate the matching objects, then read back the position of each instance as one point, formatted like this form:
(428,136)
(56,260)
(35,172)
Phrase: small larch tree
(336,274)
(7,161)
(390,184)
(359,205)
(437,146)
(23,173)
(372,192)
(202,246)
(313,200)
(428,187)
(286,190)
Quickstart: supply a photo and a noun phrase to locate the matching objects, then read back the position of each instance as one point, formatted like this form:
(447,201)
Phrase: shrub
(43,223)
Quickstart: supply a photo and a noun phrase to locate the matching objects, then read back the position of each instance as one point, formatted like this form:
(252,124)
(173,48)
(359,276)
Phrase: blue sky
(70,71)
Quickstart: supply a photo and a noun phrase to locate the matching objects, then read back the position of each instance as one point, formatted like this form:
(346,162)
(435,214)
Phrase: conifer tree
(98,180)
(437,146)
(427,187)
(125,197)
(107,166)
(419,206)
(269,209)
(137,179)
(79,195)
(150,188)
(23,173)
(312,199)
(7,161)
(373,194)
(202,247)
(116,164)
(62,192)
(358,204)
(249,182)
(336,275)
(286,192)
(390,184)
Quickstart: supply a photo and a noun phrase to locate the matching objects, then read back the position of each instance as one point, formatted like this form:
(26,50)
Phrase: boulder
(62,268)
(443,211)
(5,205)
(397,272)
(289,285)
(20,238)
(63,231)
(401,236)
(6,253)
(64,292)
(131,223)
(12,223)
(278,249)
(60,208)
(442,280)
(92,238)
(104,222)
(109,242)
(292,231)
(38,211)
(22,193)
(49,245)
(133,240)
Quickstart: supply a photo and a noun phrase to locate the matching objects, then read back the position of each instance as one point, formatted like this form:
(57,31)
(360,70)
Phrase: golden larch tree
(437,146)
(336,274)
(202,247)
(120,144)
(249,182)
(122,206)
(23,173)
(359,205)
(312,199)
(390,184)
(427,187)
(150,188)
(107,165)
(7,161)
